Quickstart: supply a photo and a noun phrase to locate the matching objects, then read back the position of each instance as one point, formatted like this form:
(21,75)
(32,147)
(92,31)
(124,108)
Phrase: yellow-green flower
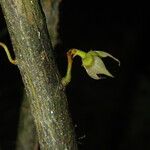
(91,61)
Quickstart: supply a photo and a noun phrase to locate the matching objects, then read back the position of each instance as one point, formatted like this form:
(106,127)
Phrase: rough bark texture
(26,138)
(51,10)
(33,52)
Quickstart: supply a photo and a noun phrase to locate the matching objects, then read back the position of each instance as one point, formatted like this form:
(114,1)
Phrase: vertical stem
(67,77)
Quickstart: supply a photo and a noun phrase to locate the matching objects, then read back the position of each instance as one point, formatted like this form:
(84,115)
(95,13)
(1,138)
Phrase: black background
(109,114)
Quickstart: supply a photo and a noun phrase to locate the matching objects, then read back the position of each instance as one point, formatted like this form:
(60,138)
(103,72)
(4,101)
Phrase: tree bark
(33,51)
(51,10)
(26,138)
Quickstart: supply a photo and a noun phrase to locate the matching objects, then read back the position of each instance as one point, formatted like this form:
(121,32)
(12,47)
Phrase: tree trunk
(33,51)
(26,138)
(51,10)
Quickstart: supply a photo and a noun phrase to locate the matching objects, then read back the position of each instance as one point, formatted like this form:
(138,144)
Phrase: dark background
(109,114)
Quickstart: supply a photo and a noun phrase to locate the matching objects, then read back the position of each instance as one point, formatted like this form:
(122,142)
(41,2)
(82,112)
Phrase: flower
(93,63)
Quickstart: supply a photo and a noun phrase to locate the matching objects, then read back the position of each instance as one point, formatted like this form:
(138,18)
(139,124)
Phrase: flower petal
(104,54)
(92,74)
(98,67)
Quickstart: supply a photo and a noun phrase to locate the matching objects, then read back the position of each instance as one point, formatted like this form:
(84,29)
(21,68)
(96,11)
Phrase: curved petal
(98,67)
(104,54)
(92,74)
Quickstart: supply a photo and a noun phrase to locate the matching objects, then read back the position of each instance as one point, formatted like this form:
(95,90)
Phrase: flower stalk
(13,61)
(67,78)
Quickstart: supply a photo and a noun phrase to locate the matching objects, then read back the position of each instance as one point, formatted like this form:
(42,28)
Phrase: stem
(13,61)
(76,52)
(67,77)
